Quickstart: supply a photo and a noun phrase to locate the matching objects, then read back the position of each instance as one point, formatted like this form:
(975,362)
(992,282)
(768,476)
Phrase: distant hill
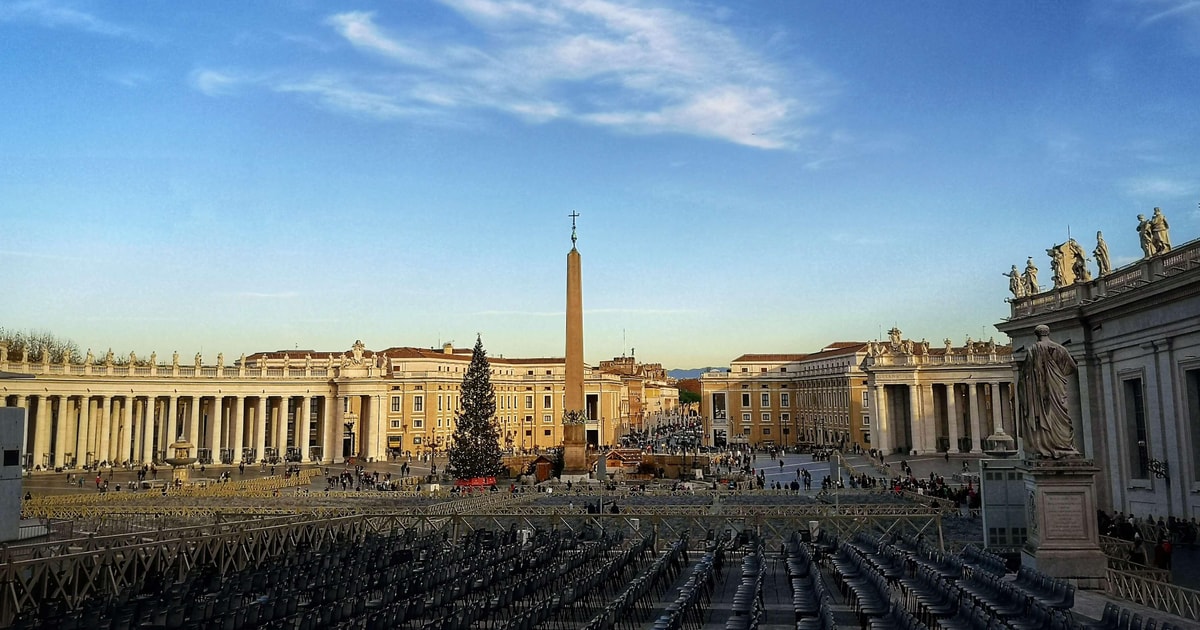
(693,373)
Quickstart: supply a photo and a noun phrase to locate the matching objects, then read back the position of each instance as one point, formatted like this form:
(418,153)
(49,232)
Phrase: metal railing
(1156,594)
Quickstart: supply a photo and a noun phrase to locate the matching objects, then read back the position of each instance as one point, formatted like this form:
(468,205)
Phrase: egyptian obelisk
(574,445)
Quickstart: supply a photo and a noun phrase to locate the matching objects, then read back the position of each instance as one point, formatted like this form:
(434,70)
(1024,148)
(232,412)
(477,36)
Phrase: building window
(547,402)
(529,401)
(766,430)
(866,421)
(395,404)
(785,399)
(745,369)
(418,424)
(745,400)
(345,405)
(763,370)
(766,418)
(546,432)
(528,419)
(439,402)
(866,437)
(418,404)
(765,399)
(746,418)
(396,424)
(785,418)
(547,419)
(417,439)
(746,430)
(866,400)
(1135,420)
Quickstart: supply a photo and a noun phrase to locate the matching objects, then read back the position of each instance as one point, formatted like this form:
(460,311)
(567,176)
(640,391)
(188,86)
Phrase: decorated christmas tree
(476,448)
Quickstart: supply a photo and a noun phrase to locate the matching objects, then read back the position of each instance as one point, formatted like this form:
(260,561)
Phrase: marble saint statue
(1016,283)
(1145,236)
(1079,262)
(1159,232)
(1031,279)
(1046,427)
(1103,263)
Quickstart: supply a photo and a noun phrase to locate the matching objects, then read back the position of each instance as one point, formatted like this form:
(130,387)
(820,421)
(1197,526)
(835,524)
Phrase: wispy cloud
(631,68)
(1172,9)
(1158,187)
(255,295)
(60,15)
(214,82)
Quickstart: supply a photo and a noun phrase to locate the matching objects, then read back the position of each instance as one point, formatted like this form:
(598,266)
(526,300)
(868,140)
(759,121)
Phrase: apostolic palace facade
(306,406)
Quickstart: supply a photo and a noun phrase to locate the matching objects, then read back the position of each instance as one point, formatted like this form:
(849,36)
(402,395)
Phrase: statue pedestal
(1064,539)
(574,451)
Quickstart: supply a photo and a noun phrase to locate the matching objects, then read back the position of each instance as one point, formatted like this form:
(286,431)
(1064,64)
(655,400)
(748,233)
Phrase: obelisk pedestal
(1064,537)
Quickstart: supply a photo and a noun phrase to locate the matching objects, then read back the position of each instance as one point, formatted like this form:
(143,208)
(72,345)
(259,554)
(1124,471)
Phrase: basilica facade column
(331,419)
(193,432)
(303,425)
(60,438)
(146,423)
(216,417)
(81,432)
(103,430)
(973,408)
(997,417)
(172,418)
(952,416)
(42,436)
(883,436)
(260,428)
(279,426)
(125,441)
(237,427)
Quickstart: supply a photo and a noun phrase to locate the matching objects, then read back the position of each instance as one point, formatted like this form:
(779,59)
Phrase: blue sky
(751,177)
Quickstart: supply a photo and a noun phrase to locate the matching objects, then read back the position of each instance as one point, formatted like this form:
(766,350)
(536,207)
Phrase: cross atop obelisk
(573,215)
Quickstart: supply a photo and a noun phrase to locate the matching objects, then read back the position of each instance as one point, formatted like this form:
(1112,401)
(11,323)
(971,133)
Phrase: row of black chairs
(687,611)
(631,608)
(812,603)
(1117,617)
(748,607)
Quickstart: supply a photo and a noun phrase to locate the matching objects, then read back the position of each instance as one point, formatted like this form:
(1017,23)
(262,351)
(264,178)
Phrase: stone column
(193,433)
(260,428)
(60,438)
(928,418)
(914,416)
(279,425)
(103,430)
(215,419)
(147,416)
(172,419)
(237,427)
(997,419)
(82,445)
(883,439)
(973,407)
(303,424)
(126,436)
(952,415)
(42,433)
(328,431)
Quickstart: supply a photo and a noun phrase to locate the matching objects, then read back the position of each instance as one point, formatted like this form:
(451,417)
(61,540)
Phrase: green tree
(476,448)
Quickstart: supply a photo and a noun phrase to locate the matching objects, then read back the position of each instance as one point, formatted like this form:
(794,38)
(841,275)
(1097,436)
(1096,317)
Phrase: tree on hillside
(476,448)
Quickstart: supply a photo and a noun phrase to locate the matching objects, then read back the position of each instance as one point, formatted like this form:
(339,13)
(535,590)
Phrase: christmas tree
(476,448)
